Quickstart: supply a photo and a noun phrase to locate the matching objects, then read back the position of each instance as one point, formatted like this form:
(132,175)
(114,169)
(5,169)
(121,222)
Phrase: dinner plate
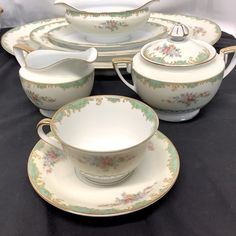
(65,36)
(54,179)
(200,28)
(21,34)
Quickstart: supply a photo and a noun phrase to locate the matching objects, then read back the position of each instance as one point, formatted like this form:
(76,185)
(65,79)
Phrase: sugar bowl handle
(224,52)
(49,140)
(128,62)
(20,51)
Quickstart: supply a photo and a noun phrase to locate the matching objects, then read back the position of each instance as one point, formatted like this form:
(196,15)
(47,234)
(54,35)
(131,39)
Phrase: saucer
(54,179)
(65,36)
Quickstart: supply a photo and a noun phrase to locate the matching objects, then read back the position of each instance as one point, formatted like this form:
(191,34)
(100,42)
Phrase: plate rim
(105,65)
(103,45)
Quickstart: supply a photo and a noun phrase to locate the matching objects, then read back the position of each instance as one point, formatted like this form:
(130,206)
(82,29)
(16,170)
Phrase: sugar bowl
(177,76)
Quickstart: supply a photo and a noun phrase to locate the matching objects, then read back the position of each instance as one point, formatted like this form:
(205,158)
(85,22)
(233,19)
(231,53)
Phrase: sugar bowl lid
(178,49)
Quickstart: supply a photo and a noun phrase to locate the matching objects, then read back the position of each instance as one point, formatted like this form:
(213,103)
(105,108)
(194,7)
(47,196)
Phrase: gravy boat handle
(128,62)
(224,52)
(49,140)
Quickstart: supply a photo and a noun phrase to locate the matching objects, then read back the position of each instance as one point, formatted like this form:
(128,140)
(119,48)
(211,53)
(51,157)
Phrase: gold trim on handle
(45,121)
(227,50)
(122,60)
(24,47)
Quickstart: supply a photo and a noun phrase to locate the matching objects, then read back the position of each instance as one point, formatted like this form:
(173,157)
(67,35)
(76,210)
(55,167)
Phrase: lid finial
(179,32)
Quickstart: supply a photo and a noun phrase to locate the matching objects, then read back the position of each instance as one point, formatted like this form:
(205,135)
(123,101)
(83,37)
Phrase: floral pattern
(150,146)
(112,25)
(127,198)
(125,203)
(105,163)
(37,99)
(166,54)
(65,86)
(188,98)
(197,30)
(122,15)
(51,157)
(81,103)
(168,50)
(155,84)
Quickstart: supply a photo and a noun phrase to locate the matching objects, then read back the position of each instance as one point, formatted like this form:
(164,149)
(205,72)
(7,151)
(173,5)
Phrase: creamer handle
(20,51)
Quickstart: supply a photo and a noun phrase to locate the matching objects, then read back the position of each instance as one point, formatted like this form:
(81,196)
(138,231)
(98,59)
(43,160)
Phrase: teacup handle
(128,61)
(44,137)
(225,52)
(20,51)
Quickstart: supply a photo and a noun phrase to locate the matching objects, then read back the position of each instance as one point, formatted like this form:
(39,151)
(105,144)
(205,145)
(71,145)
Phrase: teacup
(103,136)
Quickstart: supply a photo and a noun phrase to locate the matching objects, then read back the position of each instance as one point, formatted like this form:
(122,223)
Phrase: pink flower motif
(150,146)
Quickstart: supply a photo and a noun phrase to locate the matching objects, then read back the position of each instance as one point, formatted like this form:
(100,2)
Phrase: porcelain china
(106,21)
(199,28)
(177,76)
(51,173)
(203,29)
(104,136)
(65,36)
(40,36)
(61,81)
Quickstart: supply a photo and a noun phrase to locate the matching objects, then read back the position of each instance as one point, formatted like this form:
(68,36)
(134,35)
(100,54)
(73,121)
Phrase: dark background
(202,202)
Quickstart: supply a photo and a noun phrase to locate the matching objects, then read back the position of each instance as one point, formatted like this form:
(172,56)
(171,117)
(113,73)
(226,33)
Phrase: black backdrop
(202,202)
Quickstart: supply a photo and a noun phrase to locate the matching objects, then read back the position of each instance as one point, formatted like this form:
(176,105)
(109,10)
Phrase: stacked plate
(57,34)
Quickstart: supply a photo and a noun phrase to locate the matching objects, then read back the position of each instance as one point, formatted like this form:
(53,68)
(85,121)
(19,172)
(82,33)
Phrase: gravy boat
(106,21)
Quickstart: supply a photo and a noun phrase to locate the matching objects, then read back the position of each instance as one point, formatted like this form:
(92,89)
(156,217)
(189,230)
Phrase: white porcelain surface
(104,144)
(40,36)
(170,53)
(199,28)
(176,92)
(41,59)
(208,32)
(109,21)
(51,88)
(65,36)
(50,173)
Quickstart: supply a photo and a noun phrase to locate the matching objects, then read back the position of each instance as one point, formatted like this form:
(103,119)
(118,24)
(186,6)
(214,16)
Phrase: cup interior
(104,123)
(109,6)
(68,70)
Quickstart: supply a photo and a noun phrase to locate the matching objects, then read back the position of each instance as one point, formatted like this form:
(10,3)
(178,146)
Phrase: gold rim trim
(113,12)
(123,212)
(227,50)
(24,47)
(53,125)
(43,122)
(127,60)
